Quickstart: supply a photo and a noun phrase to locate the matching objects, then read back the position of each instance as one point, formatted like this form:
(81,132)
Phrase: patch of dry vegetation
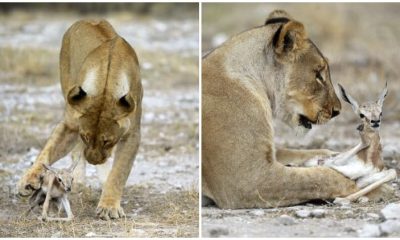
(28,66)
(174,214)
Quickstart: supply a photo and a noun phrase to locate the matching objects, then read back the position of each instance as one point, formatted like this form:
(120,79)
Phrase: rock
(391,211)
(363,199)
(344,202)
(303,213)
(318,213)
(390,226)
(258,212)
(217,232)
(286,220)
(370,230)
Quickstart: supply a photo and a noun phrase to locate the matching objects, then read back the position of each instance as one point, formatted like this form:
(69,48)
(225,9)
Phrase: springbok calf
(364,162)
(56,183)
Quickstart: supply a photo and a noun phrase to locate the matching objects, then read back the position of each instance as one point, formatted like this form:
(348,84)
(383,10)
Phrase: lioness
(100,80)
(269,71)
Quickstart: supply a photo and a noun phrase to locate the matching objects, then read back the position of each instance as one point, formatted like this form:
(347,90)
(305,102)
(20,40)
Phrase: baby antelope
(55,185)
(364,162)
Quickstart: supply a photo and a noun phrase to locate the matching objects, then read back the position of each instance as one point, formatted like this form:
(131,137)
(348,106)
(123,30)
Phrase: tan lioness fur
(271,71)
(100,80)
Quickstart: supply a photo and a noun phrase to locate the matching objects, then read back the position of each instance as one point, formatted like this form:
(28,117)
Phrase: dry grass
(29,66)
(174,214)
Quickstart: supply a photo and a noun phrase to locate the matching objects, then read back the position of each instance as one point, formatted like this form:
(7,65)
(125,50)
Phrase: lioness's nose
(335,113)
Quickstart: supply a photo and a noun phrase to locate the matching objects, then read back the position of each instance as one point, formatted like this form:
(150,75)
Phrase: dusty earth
(361,55)
(161,196)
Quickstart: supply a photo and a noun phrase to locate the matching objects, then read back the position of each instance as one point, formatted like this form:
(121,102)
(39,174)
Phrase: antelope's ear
(73,166)
(349,99)
(48,168)
(289,41)
(382,96)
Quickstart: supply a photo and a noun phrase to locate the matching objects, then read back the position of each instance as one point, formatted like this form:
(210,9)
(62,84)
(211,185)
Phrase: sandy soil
(161,196)
(362,53)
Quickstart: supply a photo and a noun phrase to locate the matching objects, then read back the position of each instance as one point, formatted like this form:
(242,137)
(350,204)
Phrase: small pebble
(391,211)
(286,220)
(349,212)
(303,213)
(373,216)
(344,202)
(258,212)
(90,234)
(363,199)
(349,229)
(370,230)
(217,232)
(390,226)
(56,235)
(318,213)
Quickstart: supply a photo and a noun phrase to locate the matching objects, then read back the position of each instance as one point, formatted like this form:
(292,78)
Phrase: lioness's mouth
(305,122)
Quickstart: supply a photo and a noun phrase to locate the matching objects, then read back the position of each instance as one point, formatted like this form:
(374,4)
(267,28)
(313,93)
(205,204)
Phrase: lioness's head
(108,94)
(304,74)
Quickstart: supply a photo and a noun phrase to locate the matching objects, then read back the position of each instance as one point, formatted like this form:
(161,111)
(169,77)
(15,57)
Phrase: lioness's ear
(349,99)
(127,103)
(278,16)
(289,40)
(76,95)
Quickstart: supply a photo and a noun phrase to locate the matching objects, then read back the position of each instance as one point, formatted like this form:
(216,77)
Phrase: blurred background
(161,198)
(362,44)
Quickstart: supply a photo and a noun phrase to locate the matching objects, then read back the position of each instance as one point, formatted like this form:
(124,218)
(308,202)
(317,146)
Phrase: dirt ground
(363,53)
(161,196)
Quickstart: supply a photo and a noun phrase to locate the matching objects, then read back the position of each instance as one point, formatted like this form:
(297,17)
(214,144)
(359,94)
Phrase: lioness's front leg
(61,141)
(296,157)
(109,205)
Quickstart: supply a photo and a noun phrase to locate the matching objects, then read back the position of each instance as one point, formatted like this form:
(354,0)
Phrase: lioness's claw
(110,213)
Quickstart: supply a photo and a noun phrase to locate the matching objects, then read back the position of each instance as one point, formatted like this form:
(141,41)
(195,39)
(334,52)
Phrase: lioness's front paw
(109,212)
(29,182)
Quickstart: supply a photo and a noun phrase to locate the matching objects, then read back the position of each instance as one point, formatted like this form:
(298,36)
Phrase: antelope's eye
(362,115)
(381,114)
(59,179)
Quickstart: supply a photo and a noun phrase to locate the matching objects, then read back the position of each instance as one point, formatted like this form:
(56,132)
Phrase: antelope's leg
(67,207)
(48,197)
(391,174)
(344,157)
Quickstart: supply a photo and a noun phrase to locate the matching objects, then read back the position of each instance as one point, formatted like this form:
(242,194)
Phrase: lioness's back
(78,42)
